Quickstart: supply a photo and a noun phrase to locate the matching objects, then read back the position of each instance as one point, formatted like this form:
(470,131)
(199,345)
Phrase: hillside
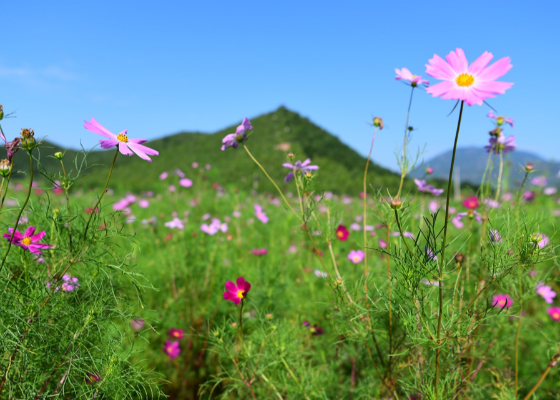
(275,133)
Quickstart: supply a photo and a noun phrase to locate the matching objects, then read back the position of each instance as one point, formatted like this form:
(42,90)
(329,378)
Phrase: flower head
(299,166)
(27,240)
(260,214)
(172,349)
(126,146)
(137,324)
(545,292)
(405,75)
(176,333)
(554,313)
(175,223)
(469,83)
(471,203)
(501,301)
(423,187)
(499,119)
(342,233)
(494,236)
(356,256)
(539,181)
(259,252)
(540,239)
(233,139)
(501,144)
(237,291)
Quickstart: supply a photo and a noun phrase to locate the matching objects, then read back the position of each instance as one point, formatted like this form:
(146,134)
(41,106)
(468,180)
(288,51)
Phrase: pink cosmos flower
(70,283)
(499,119)
(144,203)
(554,313)
(405,234)
(126,146)
(179,173)
(172,349)
(176,333)
(137,324)
(163,176)
(27,240)
(356,256)
(237,291)
(320,274)
(355,227)
(491,203)
(299,166)
(457,221)
(501,144)
(540,239)
(429,170)
(539,181)
(423,187)
(430,254)
(382,243)
(405,75)
(342,233)
(545,292)
(469,83)
(471,202)
(194,165)
(502,300)
(550,191)
(175,223)
(494,236)
(259,252)
(529,196)
(185,182)
(260,214)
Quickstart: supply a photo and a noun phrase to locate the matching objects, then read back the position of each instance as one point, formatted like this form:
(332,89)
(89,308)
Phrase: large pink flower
(126,146)
(469,83)
(237,291)
(27,240)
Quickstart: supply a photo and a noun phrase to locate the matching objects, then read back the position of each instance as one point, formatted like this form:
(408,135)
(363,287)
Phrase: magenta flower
(237,291)
(405,75)
(529,196)
(185,182)
(501,144)
(12,148)
(554,313)
(545,292)
(126,146)
(27,240)
(70,283)
(382,243)
(233,139)
(540,239)
(163,176)
(299,166)
(499,119)
(502,300)
(144,203)
(469,83)
(176,333)
(172,349)
(494,236)
(259,252)
(356,256)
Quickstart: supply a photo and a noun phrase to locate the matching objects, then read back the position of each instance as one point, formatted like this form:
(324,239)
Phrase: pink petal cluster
(545,292)
(175,223)
(405,75)
(126,146)
(259,252)
(499,119)
(260,214)
(214,227)
(172,349)
(540,239)
(233,139)
(423,187)
(176,333)
(501,301)
(27,240)
(554,313)
(235,292)
(356,256)
(472,83)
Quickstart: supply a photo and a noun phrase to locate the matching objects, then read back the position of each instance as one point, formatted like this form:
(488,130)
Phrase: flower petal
(123,148)
(96,127)
(29,231)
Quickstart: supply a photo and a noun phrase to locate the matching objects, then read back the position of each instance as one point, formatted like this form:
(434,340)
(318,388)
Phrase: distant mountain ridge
(470,163)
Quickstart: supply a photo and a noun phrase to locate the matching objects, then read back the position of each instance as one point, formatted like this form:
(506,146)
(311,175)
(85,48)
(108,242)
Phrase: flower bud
(291,156)
(459,258)
(378,122)
(396,204)
(58,155)
(28,141)
(1,112)
(496,132)
(5,168)
(500,120)
(528,167)
(429,170)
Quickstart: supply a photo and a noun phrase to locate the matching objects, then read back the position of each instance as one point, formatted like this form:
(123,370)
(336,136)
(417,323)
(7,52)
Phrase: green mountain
(274,135)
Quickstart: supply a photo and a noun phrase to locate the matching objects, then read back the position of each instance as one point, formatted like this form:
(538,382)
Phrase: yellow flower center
(501,303)
(26,241)
(465,80)
(122,138)
(240,294)
(356,259)
(556,315)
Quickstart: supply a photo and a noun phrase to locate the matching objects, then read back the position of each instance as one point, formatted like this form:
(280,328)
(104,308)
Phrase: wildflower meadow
(268,286)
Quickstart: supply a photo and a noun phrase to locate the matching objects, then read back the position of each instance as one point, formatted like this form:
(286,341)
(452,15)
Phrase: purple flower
(499,119)
(163,176)
(457,221)
(299,166)
(545,292)
(179,173)
(144,203)
(320,274)
(502,301)
(172,349)
(405,75)
(70,283)
(423,187)
(494,236)
(501,144)
(12,148)
(529,196)
(27,240)
(430,254)
(233,139)
(539,181)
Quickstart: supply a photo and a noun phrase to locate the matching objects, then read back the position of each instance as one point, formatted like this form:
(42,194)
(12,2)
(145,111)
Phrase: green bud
(396,204)
(1,112)
(58,155)
(28,141)
(378,122)
(5,168)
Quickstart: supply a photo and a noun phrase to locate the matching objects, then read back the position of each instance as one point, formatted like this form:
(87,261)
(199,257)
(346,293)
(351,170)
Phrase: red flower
(342,233)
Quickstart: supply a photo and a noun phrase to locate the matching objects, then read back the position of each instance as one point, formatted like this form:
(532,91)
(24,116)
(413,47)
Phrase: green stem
(93,211)
(272,181)
(7,185)
(21,210)
(481,188)
(518,329)
(67,204)
(240,330)
(442,265)
(545,373)
(403,168)
(500,175)
(521,193)
(365,217)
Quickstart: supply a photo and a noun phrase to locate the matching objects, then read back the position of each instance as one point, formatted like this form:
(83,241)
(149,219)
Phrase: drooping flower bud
(28,141)
(5,168)
(12,148)
(396,204)
(378,122)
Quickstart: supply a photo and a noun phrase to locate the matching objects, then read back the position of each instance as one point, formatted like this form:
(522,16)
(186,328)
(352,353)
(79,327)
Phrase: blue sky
(156,69)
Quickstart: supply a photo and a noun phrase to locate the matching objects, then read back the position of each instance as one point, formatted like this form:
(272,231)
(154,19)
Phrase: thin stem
(545,373)
(294,377)
(364,218)
(241,323)
(272,181)
(7,185)
(403,167)
(500,175)
(518,329)
(240,374)
(93,211)
(481,188)
(442,265)
(389,296)
(521,193)
(68,204)
(21,210)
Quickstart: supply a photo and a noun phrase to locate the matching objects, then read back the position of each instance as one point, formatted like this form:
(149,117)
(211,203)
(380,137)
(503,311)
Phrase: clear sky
(156,68)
